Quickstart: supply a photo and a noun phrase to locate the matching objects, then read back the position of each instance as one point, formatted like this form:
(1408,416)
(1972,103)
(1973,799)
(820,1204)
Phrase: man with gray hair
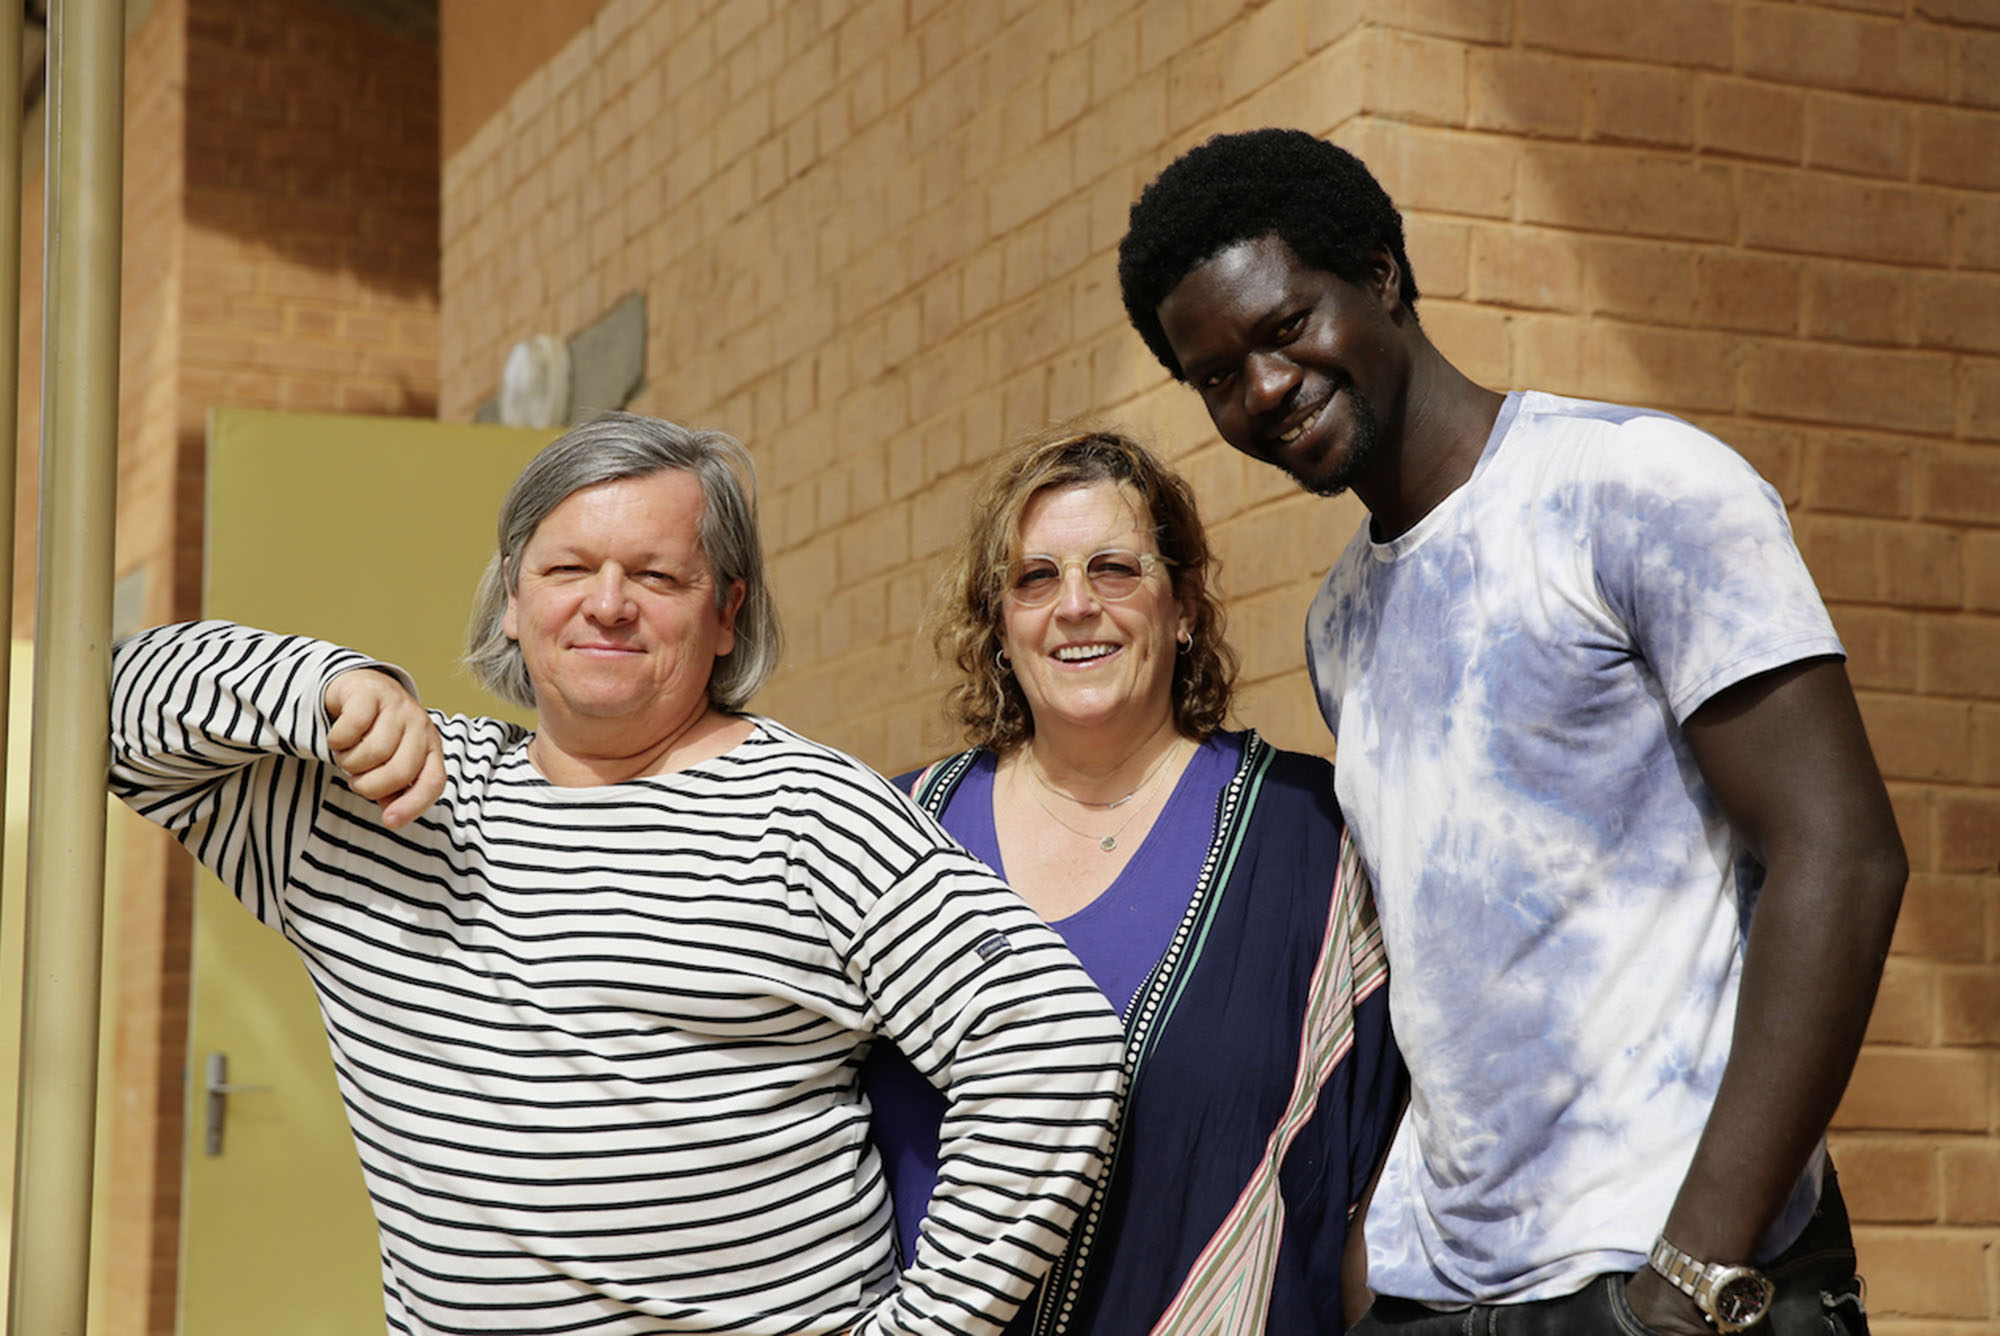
(597,993)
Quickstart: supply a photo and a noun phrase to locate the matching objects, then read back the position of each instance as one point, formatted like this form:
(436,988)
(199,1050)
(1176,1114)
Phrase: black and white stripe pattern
(598,1045)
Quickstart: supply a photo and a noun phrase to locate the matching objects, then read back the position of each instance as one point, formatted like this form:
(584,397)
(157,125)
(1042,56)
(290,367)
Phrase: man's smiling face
(1296,366)
(615,610)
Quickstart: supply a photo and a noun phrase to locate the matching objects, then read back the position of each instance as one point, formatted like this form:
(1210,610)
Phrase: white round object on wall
(534,385)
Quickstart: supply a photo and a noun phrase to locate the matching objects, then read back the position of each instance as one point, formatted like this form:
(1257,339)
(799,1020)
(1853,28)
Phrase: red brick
(1640,280)
(1978,66)
(1328,91)
(1753,120)
(1929,1274)
(1266,40)
(1906,1006)
(1796,44)
(1686,371)
(1969,1003)
(1851,303)
(1888,1182)
(1163,32)
(1960,484)
(1440,255)
(1861,475)
(1473,338)
(1114,53)
(1851,134)
(1958,654)
(1525,92)
(1194,89)
(1976,228)
(1971,1184)
(1922,566)
(1028,185)
(1337,20)
(1519,267)
(1641,104)
(1881,647)
(1122,128)
(1969,834)
(1844,556)
(1916,822)
(1755,293)
(1971,12)
(1897,391)
(1872,6)
(1473,20)
(1409,78)
(1441,171)
(1959,148)
(1982,576)
(1960,312)
(1024,404)
(937,110)
(1798,211)
(1668,32)
(1274,546)
(1942,919)
(1979,400)
(1260,625)
(1022,49)
(1920,739)
(1900,1089)
(1636,194)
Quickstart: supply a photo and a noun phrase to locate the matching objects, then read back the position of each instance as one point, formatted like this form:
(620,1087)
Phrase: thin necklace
(1043,779)
(1107,843)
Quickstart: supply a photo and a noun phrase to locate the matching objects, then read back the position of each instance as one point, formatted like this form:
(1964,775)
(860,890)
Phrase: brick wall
(876,240)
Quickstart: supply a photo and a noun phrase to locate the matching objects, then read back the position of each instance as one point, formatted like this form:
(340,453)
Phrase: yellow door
(369,532)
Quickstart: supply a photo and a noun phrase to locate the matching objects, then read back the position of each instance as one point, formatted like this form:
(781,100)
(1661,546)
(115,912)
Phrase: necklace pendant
(1108,843)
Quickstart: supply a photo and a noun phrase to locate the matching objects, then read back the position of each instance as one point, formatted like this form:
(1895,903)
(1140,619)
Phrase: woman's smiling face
(1081,659)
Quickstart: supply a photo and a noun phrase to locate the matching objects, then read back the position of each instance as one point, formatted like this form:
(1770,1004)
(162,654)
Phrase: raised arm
(1787,759)
(221,734)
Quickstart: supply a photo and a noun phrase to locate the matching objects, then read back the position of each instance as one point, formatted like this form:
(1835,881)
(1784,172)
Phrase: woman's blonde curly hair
(986,701)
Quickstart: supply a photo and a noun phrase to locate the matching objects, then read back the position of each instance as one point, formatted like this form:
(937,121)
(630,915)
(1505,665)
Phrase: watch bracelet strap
(1683,1272)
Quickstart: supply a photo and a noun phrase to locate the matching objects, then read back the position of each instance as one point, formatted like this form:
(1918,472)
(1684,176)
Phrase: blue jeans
(1818,1294)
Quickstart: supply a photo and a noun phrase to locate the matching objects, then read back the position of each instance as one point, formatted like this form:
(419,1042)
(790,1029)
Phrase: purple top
(1118,937)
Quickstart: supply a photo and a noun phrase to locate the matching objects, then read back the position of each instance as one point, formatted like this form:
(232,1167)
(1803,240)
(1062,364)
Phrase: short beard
(1363,447)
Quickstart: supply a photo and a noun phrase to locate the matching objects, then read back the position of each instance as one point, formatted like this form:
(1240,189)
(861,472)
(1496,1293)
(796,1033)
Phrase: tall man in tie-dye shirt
(1636,866)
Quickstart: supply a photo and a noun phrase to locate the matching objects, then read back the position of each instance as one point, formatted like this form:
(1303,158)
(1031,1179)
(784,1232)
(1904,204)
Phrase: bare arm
(1788,761)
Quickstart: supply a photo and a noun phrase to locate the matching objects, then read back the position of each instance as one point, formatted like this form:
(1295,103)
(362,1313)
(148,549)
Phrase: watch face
(1742,1299)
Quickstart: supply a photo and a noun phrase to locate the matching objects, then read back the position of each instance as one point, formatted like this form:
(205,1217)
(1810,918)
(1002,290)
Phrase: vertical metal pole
(10,366)
(65,912)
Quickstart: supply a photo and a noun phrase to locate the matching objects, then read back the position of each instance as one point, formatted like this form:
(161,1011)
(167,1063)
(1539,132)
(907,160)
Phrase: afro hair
(1315,197)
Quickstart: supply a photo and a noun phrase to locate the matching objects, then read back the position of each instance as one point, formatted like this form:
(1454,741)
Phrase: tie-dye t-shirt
(1562,901)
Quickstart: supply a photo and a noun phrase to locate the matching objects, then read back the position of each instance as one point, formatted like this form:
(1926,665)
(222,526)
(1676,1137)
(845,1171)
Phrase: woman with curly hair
(1204,879)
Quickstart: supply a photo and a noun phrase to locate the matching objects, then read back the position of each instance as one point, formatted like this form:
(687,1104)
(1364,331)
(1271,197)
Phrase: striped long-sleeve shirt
(598,1045)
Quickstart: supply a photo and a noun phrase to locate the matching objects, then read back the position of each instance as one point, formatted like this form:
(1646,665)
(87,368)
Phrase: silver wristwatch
(1730,1297)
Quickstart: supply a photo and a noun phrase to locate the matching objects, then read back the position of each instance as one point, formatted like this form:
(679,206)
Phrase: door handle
(217,1090)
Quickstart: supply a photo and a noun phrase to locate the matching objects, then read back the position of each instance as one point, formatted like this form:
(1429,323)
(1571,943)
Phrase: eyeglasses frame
(1147,561)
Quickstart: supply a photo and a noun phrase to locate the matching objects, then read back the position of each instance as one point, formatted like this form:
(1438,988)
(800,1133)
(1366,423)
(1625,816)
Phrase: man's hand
(1662,1307)
(386,743)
